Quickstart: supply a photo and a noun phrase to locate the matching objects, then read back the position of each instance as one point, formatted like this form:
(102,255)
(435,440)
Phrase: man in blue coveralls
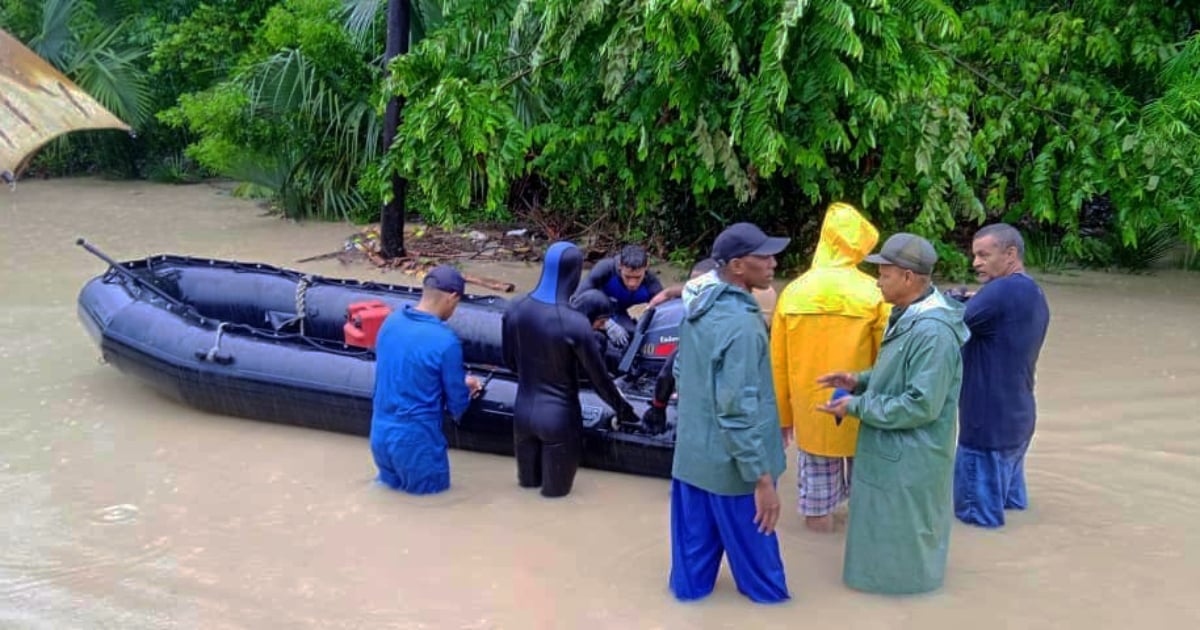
(419,376)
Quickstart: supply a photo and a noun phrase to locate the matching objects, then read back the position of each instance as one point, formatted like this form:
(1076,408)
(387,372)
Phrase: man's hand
(844,380)
(960,293)
(664,295)
(766,505)
(473,386)
(788,434)
(655,419)
(616,334)
(625,416)
(837,407)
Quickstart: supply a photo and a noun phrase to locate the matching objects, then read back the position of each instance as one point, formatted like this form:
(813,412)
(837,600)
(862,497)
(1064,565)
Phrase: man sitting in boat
(596,306)
(627,281)
(419,376)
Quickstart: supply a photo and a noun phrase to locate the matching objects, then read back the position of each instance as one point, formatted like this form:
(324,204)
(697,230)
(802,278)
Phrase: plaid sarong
(824,483)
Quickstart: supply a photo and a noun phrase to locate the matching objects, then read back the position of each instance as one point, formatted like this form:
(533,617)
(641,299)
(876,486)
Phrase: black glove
(655,419)
(626,418)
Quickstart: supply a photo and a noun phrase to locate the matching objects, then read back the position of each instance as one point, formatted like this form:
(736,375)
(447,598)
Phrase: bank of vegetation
(661,120)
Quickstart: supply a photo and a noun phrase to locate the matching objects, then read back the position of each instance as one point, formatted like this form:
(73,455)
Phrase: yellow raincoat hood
(830,319)
(846,238)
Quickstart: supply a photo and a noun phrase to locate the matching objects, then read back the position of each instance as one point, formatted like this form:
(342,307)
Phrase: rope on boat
(211,356)
(301,307)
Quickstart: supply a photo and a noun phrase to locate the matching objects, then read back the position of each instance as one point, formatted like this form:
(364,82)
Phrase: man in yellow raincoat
(830,317)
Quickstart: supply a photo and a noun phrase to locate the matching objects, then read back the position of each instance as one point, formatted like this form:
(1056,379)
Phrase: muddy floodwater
(122,509)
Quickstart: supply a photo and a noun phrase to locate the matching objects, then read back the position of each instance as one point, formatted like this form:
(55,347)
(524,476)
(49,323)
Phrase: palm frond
(113,75)
(55,40)
(360,19)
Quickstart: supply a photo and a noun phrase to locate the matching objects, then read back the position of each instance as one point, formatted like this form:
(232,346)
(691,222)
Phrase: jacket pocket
(880,444)
(877,462)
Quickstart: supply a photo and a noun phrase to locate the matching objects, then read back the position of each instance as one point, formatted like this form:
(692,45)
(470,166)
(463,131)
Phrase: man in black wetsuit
(545,342)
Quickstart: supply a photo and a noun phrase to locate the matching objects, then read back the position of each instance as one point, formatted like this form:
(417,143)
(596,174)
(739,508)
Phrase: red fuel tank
(363,320)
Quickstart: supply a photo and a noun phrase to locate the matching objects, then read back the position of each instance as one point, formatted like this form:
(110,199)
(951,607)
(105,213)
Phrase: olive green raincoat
(901,505)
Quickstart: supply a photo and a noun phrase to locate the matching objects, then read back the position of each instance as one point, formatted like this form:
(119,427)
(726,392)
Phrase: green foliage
(1045,253)
(683,258)
(1054,92)
(295,116)
(1164,172)
(675,116)
(203,47)
(1152,245)
(467,109)
(662,120)
(953,264)
(174,169)
(1190,260)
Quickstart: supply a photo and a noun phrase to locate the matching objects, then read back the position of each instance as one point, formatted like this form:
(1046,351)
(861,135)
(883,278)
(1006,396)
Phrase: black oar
(127,273)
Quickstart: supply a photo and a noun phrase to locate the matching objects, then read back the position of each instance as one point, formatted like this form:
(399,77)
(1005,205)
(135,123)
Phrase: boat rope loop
(211,356)
(301,307)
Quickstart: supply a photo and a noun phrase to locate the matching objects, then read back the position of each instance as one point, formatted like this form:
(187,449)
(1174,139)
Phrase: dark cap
(702,267)
(445,278)
(745,239)
(593,303)
(907,251)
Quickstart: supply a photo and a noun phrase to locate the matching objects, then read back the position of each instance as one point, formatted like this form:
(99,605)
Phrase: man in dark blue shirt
(627,281)
(1008,318)
(419,376)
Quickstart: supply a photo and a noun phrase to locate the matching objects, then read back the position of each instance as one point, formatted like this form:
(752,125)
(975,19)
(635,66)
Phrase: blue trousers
(987,482)
(412,456)
(703,527)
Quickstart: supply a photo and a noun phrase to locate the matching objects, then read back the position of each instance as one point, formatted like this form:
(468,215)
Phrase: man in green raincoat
(902,504)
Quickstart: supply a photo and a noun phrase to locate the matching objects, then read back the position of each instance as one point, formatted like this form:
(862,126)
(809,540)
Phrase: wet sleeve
(779,369)
(736,394)
(597,277)
(587,352)
(454,380)
(864,377)
(982,311)
(933,360)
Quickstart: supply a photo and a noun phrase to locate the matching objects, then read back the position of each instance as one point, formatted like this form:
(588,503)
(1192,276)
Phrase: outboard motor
(656,337)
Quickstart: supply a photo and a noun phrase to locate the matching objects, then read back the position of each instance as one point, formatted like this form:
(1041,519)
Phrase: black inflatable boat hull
(211,347)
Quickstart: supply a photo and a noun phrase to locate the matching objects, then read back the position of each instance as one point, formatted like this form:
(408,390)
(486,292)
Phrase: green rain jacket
(901,506)
(728,429)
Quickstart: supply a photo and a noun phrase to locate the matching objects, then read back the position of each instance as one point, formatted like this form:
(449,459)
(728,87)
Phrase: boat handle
(213,354)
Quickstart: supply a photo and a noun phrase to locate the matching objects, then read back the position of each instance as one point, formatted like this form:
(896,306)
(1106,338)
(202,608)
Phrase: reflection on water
(122,509)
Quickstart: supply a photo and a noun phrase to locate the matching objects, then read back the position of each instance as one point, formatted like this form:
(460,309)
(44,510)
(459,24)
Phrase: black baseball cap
(445,278)
(746,239)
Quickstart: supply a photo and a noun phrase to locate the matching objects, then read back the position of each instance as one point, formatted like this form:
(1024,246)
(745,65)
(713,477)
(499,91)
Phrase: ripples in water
(121,513)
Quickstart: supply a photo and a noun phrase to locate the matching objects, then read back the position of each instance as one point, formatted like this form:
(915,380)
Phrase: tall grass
(1044,252)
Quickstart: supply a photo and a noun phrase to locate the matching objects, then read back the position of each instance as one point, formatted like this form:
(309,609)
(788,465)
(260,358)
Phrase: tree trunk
(391,225)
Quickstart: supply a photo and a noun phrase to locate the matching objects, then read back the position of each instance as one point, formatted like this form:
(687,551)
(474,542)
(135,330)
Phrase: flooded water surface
(122,509)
